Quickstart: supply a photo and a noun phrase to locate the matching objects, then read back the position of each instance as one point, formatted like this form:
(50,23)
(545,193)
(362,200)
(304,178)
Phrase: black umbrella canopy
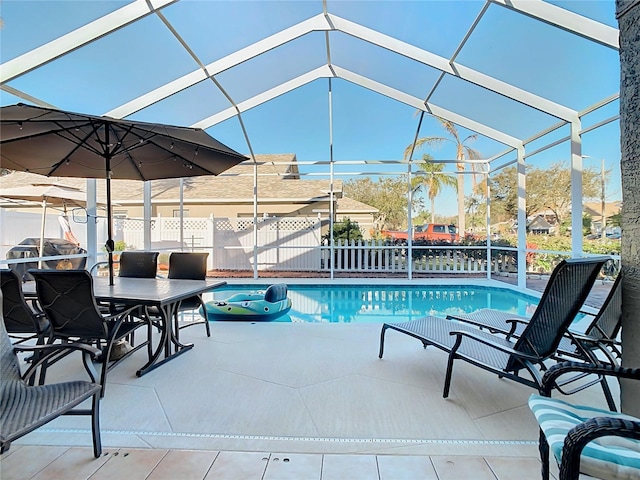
(66,144)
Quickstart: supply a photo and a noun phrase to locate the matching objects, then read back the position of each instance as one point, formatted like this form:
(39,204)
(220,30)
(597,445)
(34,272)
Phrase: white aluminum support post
(92,223)
(576,189)
(522,220)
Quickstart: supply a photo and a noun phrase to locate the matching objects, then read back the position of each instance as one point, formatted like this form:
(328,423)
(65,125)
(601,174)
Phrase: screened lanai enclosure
(499,117)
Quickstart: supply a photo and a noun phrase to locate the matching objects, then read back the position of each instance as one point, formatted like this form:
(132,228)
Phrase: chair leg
(105,367)
(452,357)
(543,447)
(382,332)
(607,394)
(95,425)
(207,327)
(447,378)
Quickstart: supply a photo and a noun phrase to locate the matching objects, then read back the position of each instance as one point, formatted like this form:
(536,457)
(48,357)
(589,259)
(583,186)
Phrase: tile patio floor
(293,400)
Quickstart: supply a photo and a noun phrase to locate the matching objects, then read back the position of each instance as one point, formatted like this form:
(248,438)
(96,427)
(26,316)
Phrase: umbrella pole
(110,244)
(44,217)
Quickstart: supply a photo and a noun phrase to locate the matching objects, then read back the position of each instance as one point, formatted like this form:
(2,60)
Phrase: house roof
(349,205)
(278,181)
(595,209)
(539,223)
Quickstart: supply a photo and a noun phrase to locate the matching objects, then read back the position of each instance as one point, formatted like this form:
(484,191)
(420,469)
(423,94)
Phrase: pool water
(387,303)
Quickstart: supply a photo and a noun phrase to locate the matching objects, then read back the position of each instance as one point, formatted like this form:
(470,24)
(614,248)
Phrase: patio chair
(21,321)
(188,266)
(586,440)
(24,408)
(138,264)
(566,291)
(599,336)
(133,264)
(67,298)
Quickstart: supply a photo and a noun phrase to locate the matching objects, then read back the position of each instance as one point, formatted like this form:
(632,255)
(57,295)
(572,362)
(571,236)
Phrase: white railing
(372,256)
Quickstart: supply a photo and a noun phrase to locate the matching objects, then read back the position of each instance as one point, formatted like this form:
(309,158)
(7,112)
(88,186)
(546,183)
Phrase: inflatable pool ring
(255,306)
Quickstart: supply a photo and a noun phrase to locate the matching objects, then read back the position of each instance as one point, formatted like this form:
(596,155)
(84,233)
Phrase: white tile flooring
(77,463)
(289,400)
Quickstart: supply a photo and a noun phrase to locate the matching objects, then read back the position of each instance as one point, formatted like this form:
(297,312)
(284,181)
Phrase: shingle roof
(277,181)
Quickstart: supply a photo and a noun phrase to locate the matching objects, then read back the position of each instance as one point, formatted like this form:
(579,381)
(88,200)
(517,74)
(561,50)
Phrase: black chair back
(9,367)
(139,264)
(66,296)
(18,316)
(188,265)
(608,321)
(566,292)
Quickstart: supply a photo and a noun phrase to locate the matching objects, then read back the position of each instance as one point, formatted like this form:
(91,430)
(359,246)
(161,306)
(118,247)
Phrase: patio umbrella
(66,144)
(48,195)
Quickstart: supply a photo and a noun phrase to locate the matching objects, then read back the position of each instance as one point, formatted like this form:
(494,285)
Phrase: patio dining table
(163,293)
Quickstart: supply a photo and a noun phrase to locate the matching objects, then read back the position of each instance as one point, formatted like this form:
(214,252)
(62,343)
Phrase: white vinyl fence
(291,244)
(294,244)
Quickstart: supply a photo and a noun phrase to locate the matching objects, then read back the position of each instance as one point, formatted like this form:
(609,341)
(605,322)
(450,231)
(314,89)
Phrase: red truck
(429,231)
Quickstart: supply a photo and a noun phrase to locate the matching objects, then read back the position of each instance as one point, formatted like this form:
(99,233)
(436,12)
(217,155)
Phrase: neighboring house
(358,212)
(280,190)
(594,210)
(539,225)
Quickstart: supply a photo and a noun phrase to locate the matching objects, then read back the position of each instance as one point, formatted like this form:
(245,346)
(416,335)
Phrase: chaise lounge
(566,291)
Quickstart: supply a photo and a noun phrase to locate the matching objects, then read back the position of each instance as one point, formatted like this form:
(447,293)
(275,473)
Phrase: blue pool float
(255,306)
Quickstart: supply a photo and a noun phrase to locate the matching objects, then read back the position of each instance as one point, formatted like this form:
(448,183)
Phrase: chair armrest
(580,435)
(97,265)
(56,347)
(44,354)
(550,376)
(587,339)
(120,314)
(488,341)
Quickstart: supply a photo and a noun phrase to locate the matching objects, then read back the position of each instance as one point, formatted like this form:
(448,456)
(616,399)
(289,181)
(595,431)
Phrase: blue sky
(366,126)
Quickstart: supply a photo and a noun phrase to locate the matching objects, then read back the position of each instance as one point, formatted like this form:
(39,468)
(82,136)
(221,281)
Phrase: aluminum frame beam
(81,36)
(565,19)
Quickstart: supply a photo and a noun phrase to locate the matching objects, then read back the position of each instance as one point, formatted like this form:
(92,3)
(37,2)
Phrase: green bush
(344,230)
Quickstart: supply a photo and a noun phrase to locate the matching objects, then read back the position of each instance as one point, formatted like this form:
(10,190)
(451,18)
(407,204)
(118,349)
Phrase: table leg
(167,340)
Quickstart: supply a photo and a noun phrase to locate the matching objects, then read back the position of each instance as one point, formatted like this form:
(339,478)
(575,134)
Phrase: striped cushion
(605,457)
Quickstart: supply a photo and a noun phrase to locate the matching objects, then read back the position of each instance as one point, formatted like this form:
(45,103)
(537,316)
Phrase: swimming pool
(388,303)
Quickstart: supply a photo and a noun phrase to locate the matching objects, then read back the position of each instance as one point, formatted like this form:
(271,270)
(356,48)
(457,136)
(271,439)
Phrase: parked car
(429,232)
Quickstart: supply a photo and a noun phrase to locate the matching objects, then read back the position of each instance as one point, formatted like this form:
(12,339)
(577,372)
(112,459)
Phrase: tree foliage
(547,189)
(388,195)
(463,152)
(345,230)
(431,178)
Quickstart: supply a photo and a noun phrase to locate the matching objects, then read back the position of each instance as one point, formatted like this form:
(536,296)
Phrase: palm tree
(432,180)
(463,152)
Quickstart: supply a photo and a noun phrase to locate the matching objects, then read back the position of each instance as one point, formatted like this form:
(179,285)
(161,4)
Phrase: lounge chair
(599,336)
(583,439)
(24,408)
(566,291)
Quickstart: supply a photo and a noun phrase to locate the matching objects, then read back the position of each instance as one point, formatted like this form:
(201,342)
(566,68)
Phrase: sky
(334,117)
